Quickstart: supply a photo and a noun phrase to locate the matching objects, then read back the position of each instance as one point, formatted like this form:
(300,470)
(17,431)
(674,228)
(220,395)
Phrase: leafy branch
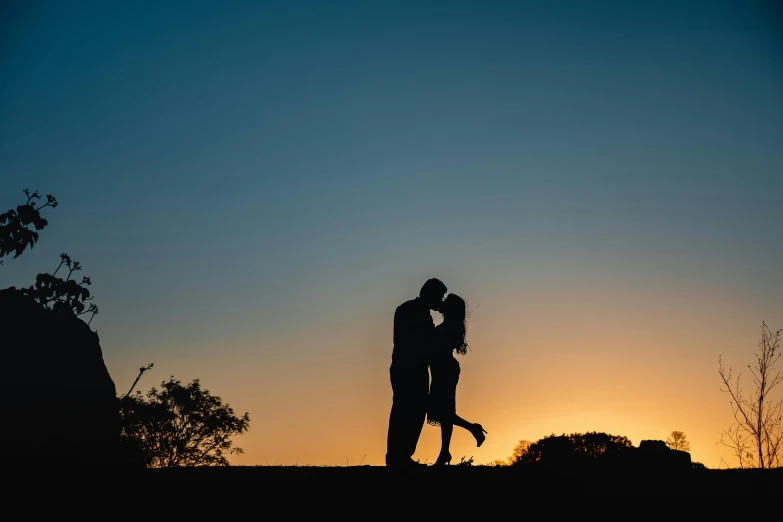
(55,293)
(141,372)
(15,234)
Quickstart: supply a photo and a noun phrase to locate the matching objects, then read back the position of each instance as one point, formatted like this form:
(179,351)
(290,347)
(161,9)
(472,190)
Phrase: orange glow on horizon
(650,370)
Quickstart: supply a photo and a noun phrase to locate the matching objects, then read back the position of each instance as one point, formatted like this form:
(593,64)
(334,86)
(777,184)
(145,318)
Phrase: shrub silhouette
(179,426)
(576,449)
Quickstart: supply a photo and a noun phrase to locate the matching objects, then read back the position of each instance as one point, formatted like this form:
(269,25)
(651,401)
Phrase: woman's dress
(444,374)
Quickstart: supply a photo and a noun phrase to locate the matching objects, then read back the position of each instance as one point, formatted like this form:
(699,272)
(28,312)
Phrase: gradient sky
(253,187)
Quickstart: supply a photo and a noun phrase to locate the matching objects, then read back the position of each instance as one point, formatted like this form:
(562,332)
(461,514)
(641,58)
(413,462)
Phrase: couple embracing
(421,348)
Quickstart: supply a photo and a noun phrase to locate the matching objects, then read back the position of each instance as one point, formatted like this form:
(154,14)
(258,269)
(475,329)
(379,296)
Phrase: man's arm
(402,327)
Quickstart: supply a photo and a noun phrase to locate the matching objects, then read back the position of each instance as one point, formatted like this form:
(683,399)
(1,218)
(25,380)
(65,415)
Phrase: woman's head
(454,315)
(453,308)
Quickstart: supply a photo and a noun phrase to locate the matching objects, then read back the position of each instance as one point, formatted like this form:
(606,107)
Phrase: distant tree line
(570,450)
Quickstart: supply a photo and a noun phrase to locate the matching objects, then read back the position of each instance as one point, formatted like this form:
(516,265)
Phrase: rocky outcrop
(58,400)
(655,454)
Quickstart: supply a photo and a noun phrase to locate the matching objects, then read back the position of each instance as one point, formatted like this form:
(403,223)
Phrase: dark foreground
(596,481)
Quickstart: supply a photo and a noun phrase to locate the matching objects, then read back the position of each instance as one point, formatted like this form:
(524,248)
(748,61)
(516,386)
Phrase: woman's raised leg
(475,429)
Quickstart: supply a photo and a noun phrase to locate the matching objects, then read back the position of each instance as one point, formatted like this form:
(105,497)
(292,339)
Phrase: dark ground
(667,483)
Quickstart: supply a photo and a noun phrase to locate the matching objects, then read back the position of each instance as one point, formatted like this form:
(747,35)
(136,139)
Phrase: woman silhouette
(444,372)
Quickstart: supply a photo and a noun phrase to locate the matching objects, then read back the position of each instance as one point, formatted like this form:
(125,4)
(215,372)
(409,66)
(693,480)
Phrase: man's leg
(419,385)
(394,436)
(409,407)
(395,440)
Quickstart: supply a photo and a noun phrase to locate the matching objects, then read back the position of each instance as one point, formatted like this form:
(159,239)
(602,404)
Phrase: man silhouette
(409,373)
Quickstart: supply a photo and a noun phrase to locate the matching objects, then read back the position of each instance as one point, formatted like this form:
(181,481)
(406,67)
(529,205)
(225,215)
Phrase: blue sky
(234,174)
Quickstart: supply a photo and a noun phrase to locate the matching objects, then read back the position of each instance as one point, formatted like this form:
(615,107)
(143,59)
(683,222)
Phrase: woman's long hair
(455,317)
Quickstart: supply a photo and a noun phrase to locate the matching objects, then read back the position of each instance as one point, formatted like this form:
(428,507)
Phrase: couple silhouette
(421,349)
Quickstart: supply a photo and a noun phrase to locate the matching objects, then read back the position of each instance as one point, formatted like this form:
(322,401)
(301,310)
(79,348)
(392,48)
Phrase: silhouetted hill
(58,400)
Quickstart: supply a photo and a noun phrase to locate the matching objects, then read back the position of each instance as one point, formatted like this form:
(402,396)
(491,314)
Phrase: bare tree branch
(755,434)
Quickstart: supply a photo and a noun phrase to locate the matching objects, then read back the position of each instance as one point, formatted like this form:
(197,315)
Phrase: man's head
(432,293)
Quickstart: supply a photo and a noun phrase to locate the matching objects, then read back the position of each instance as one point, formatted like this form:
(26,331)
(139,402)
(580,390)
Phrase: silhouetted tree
(755,434)
(180,426)
(15,231)
(678,441)
(573,449)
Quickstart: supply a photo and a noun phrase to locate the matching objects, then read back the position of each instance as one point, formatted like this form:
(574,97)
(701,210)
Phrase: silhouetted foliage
(180,426)
(755,434)
(51,292)
(678,441)
(15,231)
(44,345)
(56,293)
(572,450)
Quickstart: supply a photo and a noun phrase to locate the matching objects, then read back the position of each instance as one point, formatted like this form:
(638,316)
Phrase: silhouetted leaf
(7,216)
